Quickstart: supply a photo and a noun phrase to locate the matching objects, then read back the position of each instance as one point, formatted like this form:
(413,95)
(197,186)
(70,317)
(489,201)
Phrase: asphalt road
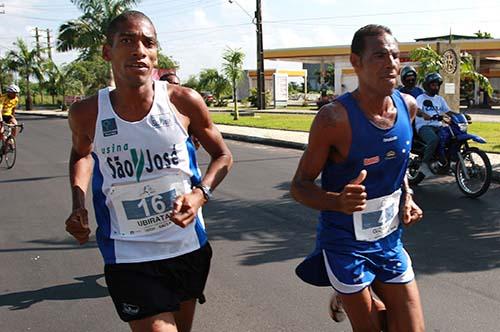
(258,233)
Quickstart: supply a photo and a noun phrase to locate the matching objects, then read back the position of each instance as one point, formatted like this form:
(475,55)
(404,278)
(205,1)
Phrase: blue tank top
(384,154)
(415,91)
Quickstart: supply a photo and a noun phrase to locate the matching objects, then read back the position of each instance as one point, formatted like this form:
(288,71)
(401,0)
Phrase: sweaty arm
(197,118)
(411,212)
(190,104)
(81,118)
(330,135)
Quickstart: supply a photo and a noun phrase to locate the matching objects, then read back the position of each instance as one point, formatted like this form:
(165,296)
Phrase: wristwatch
(206,190)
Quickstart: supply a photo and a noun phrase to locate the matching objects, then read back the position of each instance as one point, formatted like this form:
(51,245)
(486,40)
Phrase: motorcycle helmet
(13,88)
(406,71)
(433,77)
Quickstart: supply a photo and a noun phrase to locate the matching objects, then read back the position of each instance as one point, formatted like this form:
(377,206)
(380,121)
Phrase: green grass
(490,131)
(270,121)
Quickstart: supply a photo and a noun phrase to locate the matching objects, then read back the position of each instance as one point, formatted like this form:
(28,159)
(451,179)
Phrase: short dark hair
(167,77)
(115,23)
(371,30)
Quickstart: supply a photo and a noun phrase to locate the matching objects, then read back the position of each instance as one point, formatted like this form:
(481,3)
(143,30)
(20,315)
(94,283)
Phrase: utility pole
(49,47)
(261,104)
(37,38)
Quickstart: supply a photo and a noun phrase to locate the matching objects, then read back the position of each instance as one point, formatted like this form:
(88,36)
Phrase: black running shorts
(145,289)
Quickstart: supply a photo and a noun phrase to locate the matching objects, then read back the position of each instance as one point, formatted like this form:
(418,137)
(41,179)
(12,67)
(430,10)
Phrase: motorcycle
(470,165)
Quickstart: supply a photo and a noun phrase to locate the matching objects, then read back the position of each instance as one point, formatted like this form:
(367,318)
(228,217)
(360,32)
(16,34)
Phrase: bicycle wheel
(10,152)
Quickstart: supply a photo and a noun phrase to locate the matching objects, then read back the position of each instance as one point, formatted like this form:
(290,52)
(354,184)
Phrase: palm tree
(27,64)
(211,80)
(54,79)
(88,32)
(6,76)
(233,68)
(431,61)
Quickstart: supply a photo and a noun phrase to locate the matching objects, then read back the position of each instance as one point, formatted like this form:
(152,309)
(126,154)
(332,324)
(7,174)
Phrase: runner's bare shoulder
(332,121)
(411,103)
(187,101)
(82,115)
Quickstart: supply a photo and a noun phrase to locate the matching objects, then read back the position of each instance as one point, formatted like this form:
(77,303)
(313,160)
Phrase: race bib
(379,219)
(144,207)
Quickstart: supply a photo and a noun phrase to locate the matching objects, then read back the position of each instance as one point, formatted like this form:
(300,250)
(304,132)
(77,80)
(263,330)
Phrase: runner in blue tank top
(361,144)
(147,188)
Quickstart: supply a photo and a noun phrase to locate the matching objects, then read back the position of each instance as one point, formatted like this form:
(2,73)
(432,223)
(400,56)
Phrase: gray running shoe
(336,309)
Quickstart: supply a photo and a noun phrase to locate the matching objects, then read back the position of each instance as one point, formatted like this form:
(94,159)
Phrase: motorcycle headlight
(463,127)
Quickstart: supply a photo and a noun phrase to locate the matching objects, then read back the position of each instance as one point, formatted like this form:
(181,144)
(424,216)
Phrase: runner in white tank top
(147,187)
(140,167)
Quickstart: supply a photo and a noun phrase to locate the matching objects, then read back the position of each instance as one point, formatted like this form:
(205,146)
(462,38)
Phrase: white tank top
(139,168)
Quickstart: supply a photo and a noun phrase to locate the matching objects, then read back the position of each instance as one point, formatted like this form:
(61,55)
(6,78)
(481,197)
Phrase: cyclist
(8,103)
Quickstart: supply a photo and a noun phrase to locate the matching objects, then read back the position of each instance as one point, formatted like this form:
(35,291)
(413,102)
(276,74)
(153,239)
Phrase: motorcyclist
(433,111)
(409,81)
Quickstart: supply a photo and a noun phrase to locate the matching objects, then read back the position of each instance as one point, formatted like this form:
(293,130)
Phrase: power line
(238,4)
(433,10)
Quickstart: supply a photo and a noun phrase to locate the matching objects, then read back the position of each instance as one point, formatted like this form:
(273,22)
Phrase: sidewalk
(281,138)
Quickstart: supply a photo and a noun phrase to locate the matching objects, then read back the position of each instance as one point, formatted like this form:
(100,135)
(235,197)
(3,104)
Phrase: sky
(195,33)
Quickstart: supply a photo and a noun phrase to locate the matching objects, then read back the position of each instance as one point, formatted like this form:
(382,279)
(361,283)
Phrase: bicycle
(8,149)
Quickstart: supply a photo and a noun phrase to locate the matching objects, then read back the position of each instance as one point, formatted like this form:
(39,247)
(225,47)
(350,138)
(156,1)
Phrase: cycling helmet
(408,70)
(13,88)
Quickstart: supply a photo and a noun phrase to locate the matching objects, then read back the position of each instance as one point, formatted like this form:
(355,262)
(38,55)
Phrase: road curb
(52,114)
(265,141)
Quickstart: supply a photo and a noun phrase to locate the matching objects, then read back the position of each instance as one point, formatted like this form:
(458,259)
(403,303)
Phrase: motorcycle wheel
(478,168)
(414,176)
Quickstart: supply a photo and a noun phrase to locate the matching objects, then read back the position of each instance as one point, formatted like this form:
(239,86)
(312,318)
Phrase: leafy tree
(468,71)
(92,75)
(483,35)
(252,99)
(211,80)
(88,32)
(27,63)
(192,83)
(431,61)
(329,75)
(53,78)
(233,68)
(165,62)
(294,87)
(6,75)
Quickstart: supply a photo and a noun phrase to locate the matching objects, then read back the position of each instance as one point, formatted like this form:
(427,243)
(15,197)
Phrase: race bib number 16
(144,208)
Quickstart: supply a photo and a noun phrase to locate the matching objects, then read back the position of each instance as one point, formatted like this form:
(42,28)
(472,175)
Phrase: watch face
(207,192)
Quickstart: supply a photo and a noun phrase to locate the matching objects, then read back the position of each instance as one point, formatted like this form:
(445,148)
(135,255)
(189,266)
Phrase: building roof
(447,37)
(487,47)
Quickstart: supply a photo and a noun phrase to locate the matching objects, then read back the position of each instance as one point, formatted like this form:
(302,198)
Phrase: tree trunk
(64,107)
(29,101)
(235,100)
